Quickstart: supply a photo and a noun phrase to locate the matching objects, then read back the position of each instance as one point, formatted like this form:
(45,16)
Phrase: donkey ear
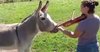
(40,6)
(45,8)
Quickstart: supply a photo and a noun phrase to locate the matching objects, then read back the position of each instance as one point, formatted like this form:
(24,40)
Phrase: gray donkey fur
(19,36)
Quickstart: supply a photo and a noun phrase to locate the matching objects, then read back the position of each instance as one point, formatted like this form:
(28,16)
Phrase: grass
(59,10)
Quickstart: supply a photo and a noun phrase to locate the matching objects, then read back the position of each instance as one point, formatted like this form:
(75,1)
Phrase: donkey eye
(42,18)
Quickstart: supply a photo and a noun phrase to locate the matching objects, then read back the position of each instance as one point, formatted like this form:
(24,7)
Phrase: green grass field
(60,11)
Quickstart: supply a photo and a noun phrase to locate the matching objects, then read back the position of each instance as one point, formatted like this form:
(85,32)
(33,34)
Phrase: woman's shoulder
(96,16)
(92,18)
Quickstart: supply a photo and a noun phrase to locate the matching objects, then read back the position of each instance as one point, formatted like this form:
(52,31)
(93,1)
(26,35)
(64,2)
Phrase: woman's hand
(56,29)
(62,30)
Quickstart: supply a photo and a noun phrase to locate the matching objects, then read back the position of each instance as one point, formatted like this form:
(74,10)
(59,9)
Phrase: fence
(9,1)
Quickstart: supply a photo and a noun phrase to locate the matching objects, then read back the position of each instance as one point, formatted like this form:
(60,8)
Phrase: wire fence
(11,1)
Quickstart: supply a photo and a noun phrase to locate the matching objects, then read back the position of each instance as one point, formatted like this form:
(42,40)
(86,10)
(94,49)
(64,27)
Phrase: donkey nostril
(42,18)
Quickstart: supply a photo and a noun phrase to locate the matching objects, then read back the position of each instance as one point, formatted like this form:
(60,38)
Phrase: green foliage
(60,11)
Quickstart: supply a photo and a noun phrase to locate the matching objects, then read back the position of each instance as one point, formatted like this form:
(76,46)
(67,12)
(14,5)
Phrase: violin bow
(71,17)
(73,14)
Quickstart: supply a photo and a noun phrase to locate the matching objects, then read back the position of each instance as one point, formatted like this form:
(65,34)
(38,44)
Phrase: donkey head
(45,22)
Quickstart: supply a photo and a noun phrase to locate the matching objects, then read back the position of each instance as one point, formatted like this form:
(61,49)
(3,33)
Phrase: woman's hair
(91,5)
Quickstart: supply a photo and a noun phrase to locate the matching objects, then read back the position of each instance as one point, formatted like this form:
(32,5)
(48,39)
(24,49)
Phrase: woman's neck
(87,14)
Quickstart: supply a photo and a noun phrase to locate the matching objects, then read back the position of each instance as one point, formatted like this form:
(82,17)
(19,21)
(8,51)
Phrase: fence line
(11,1)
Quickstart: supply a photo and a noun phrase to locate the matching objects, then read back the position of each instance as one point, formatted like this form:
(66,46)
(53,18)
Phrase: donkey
(19,36)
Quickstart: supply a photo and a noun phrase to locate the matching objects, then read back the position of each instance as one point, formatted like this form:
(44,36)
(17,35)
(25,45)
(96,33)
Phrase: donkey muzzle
(55,30)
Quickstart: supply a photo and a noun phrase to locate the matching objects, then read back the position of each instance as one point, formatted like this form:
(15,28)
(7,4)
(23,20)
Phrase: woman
(87,29)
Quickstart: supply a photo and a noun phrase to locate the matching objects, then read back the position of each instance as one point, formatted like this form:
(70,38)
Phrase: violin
(73,21)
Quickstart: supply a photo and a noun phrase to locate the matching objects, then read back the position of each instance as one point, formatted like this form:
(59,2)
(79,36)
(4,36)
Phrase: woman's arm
(70,33)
